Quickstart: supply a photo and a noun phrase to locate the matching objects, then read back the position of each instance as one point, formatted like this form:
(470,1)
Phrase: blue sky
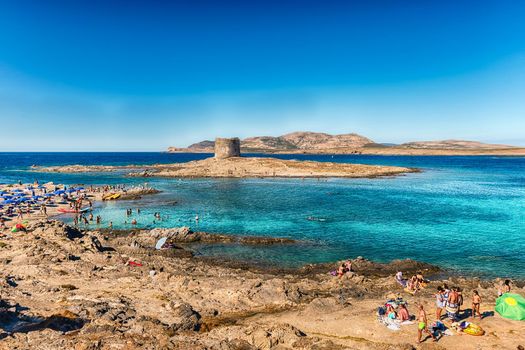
(133,75)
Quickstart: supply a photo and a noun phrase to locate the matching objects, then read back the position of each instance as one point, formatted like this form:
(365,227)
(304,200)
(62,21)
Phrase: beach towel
(452,310)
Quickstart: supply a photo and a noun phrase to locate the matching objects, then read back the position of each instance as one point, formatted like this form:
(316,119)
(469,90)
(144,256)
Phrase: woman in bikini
(476,301)
(440,302)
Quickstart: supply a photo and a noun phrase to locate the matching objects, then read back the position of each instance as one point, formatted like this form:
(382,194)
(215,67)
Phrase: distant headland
(321,143)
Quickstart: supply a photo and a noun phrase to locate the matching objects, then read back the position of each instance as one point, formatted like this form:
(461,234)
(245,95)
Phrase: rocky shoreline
(68,289)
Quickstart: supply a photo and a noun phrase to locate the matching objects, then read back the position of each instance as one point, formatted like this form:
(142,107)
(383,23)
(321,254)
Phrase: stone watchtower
(227,148)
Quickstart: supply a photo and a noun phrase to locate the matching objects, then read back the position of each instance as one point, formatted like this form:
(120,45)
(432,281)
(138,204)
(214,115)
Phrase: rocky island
(228,163)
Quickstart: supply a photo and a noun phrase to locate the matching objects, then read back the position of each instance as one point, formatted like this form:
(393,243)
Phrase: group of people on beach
(451,300)
(20,202)
(413,284)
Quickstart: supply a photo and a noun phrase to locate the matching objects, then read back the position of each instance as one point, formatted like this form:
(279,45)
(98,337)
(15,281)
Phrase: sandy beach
(22,204)
(73,289)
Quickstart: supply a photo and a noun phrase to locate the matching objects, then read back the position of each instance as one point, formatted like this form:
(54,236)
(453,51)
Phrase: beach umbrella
(511,306)
(9,201)
(59,192)
(161,242)
(6,196)
(71,190)
(49,195)
(80,188)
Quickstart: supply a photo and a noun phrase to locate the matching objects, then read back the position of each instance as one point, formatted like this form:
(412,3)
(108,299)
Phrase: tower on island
(227,148)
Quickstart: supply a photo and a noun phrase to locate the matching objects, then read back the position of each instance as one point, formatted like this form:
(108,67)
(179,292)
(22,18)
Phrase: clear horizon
(115,76)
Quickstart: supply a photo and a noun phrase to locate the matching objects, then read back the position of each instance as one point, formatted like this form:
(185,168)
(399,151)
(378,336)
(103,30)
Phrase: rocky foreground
(242,167)
(66,289)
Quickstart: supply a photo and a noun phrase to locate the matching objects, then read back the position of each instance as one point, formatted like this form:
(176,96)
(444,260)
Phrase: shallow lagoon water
(462,213)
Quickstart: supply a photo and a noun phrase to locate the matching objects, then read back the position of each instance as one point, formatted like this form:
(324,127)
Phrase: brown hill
(295,141)
(322,143)
(452,144)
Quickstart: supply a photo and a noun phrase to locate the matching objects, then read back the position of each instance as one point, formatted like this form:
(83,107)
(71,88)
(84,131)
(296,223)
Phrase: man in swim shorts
(422,324)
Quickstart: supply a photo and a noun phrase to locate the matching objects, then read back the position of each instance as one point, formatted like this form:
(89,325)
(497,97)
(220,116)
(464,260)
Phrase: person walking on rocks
(422,324)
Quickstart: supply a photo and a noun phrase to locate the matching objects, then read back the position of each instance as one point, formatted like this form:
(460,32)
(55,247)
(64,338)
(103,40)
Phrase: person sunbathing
(341,270)
(402,313)
(400,279)
(413,285)
(391,313)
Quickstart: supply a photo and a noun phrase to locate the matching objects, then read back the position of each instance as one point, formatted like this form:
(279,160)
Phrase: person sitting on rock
(402,313)
(391,313)
(341,270)
(400,279)
(348,266)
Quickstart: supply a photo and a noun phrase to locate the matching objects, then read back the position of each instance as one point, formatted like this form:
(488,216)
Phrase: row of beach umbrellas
(18,196)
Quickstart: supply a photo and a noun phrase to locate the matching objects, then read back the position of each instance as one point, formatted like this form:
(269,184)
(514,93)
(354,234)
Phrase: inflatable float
(111,196)
(68,210)
(474,329)
(468,328)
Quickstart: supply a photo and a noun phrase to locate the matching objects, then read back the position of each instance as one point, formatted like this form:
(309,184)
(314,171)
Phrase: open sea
(466,214)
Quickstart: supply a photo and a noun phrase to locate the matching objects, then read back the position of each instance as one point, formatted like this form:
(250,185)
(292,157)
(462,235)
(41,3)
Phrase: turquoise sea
(466,214)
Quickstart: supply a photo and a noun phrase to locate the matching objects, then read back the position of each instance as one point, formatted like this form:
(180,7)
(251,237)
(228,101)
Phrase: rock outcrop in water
(242,167)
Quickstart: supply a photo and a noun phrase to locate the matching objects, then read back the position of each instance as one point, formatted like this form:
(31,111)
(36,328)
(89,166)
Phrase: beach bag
(381,311)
